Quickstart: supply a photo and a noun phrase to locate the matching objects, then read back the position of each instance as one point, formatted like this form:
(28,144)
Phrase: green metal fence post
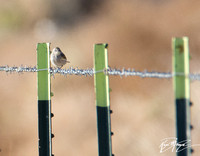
(44,99)
(182,93)
(101,82)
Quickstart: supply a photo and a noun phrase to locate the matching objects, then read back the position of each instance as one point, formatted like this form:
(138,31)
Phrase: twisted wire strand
(90,72)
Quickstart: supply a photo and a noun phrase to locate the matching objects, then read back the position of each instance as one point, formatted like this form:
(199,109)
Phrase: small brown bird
(58,58)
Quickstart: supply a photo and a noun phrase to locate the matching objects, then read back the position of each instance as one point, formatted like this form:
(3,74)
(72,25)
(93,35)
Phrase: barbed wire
(90,72)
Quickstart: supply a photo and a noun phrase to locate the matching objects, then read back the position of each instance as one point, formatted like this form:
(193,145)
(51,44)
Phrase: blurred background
(139,34)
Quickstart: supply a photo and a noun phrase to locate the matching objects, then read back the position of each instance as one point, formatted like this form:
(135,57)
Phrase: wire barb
(91,72)
(143,74)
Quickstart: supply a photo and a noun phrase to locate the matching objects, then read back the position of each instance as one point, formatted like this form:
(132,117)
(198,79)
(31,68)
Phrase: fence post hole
(101,82)
(181,85)
(44,99)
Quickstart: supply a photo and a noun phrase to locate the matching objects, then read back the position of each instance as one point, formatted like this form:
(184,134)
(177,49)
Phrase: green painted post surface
(44,101)
(102,100)
(181,67)
(181,85)
(43,63)
(101,80)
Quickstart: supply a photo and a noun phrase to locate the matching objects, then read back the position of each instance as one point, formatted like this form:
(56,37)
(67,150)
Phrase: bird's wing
(63,56)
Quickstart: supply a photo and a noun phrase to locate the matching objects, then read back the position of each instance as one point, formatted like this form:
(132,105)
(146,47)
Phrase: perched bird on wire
(58,58)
